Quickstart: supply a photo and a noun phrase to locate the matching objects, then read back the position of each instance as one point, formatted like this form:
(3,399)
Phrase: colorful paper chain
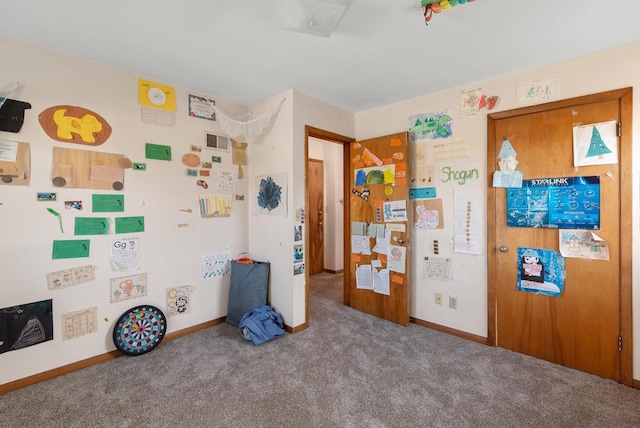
(436,6)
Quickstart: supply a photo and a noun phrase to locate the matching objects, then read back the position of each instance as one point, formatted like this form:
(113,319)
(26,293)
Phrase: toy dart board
(139,330)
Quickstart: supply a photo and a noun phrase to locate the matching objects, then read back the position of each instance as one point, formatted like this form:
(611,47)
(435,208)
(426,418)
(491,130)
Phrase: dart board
(139,330)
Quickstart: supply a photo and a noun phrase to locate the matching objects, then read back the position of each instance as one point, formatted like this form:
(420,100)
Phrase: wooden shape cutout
(70,124)
(84,169)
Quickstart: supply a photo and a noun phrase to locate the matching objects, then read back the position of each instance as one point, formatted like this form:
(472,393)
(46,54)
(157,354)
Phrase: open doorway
(326,154)
(325,222)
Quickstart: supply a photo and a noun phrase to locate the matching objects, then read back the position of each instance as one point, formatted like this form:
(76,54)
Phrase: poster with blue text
(540,271)
(559,203)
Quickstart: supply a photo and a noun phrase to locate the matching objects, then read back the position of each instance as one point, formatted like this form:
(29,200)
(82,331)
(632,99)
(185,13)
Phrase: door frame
(625,98)
(310,131)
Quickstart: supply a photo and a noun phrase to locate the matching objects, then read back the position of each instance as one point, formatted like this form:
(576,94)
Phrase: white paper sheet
(360,244)
(395,210)
(363,277)
(382,244)
(381,281)
(8,151)
(396,258)
(125,253)
(583,244)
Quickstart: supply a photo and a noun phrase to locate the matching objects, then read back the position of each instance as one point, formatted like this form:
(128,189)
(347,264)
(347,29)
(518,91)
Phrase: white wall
(333,241)
(271,236)
(611,69)
(282,149)
(334,207)
(168,254)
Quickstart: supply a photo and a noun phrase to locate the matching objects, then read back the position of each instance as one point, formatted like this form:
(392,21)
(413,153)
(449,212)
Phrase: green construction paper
(70,249)
(129,224)
(107,203)
(57,214)
(157,151)
(92,226)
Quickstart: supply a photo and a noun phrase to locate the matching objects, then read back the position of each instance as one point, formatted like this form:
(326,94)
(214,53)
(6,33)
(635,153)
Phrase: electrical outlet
(438,298)
(453,302)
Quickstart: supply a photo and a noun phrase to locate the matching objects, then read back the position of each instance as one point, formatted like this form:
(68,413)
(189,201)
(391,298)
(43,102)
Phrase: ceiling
(380,53)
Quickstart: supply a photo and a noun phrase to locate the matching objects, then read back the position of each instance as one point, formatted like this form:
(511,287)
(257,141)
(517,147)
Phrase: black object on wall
(26,325)
(12,115)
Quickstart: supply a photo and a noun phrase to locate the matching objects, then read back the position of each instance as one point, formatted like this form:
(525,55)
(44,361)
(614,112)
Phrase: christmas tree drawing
(597,147)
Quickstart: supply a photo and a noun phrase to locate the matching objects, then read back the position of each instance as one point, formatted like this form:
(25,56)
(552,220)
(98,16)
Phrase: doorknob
(400,241)
(504,249)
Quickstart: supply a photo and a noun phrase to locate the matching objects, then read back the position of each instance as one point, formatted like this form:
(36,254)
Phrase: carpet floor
(348,369)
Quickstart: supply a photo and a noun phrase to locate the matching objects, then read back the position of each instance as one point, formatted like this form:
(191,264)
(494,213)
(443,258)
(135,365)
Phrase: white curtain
(249,126)
(4,93)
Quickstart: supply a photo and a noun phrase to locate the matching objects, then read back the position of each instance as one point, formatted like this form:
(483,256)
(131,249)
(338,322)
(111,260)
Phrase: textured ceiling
(380,53)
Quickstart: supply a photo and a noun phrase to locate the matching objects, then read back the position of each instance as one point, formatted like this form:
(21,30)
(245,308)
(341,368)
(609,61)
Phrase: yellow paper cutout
(389,176)
(156,95)
(84,126)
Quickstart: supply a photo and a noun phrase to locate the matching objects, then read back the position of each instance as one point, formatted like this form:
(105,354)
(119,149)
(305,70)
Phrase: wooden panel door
(378,174)
(581,327)
(316,218)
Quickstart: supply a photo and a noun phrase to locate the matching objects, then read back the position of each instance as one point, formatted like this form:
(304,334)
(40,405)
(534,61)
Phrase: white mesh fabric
(248,126)
(6,92)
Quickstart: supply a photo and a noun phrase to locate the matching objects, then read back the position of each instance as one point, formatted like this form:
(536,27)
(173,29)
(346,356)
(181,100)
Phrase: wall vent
(217,141)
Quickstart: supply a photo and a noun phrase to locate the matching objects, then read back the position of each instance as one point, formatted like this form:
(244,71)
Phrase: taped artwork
(26,325)
(428,214)
(541,271)
(71,124)
(68,277)
(79,323)
(84,169)
(272,194)
(178,300)
(431,125)
(128,287)
(215,264)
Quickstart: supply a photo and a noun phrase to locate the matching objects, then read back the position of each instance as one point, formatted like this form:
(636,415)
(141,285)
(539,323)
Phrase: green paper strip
(92,226)
(129,224)
(57,214)
(70,249)
(157,151)
(107,203)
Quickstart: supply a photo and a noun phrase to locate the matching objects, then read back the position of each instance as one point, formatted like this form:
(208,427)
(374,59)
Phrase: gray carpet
(348,369)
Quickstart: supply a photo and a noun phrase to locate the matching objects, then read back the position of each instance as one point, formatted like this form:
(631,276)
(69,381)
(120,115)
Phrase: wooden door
(379,191)
(581,327)
(316,217)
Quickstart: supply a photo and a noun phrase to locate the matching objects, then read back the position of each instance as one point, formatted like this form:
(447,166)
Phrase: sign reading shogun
(562,202)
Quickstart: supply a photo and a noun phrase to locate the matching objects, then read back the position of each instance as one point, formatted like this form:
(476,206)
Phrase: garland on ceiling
(436,6)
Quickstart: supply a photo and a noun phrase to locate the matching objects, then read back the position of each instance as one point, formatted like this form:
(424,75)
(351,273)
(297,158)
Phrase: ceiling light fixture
(314,17)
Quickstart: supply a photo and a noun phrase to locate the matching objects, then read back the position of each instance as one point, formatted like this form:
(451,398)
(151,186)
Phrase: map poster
(560,203)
